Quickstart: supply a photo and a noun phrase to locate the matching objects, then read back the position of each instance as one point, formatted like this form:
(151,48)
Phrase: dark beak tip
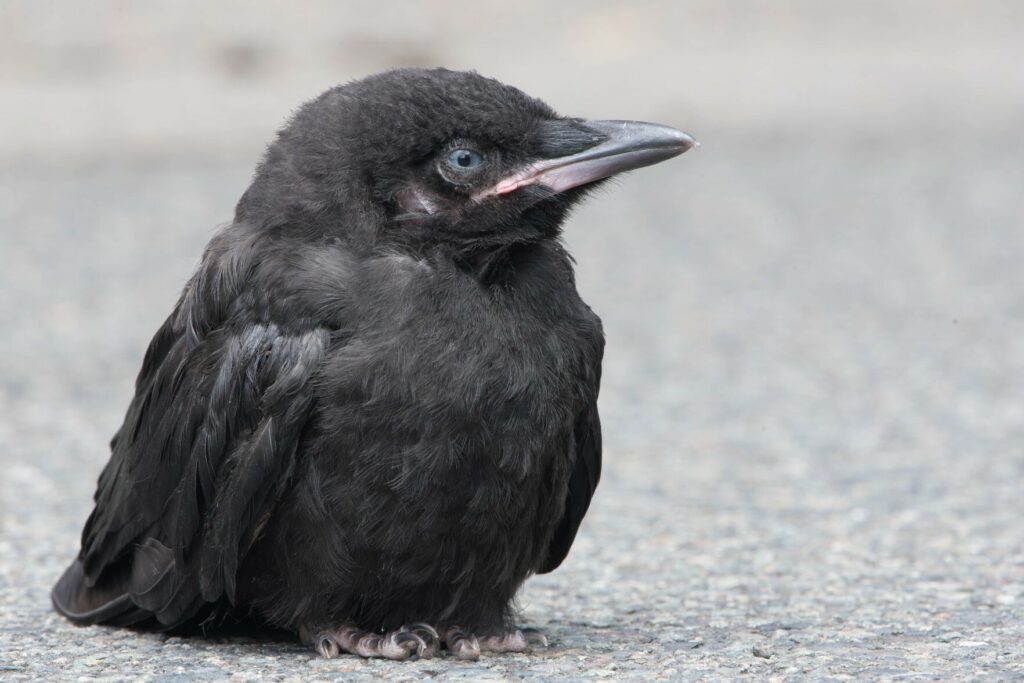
(687,141)
(640,134)
(678,139)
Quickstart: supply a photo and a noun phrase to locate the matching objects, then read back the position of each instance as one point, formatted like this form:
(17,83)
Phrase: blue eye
(464,159)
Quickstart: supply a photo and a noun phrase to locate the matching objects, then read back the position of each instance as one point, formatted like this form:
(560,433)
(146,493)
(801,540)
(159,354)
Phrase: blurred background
(814,385)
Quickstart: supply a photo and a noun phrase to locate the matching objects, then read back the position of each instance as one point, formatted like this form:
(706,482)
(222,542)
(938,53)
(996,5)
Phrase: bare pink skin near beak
(629,145)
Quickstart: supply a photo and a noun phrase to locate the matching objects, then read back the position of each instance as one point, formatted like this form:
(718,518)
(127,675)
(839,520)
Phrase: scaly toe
(326,646)
(427,639)
(396,645)
(462,645)
(510,642)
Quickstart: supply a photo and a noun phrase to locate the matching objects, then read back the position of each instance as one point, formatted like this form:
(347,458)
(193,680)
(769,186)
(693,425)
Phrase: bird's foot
(418,639)
(467,646)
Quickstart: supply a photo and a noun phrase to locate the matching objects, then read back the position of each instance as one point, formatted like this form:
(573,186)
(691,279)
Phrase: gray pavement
(814,385)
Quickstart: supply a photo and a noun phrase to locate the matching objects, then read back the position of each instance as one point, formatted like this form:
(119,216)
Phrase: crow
(372,412)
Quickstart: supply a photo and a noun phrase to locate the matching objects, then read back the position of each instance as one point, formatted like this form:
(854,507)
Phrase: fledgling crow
(372,413)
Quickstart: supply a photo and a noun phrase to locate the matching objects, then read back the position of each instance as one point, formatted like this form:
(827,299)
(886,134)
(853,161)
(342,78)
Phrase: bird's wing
(207,445)
(582,482)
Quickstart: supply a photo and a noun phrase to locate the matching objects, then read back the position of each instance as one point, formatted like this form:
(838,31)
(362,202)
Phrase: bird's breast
(441,371)
(443,439)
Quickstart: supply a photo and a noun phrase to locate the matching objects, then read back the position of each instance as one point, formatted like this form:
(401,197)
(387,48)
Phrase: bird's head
(445,157)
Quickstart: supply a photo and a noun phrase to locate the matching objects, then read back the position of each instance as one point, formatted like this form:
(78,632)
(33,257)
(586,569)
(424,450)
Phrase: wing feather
(206,448)
(583,481)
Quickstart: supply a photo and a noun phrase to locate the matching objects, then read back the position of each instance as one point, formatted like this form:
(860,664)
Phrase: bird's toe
(508,642)
(327,646)
(518,640)
(396,645)
(463,645)
(426,638)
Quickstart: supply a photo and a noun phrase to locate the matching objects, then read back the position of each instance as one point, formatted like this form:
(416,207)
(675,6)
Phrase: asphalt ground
(813,397)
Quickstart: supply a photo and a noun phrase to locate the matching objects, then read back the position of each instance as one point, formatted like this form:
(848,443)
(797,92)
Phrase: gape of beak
(624,146)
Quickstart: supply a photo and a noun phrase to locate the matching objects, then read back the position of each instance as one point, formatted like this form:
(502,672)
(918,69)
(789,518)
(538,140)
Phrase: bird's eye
(464,159)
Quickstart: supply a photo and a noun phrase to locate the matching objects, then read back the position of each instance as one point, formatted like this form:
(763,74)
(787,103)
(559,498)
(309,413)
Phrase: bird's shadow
(242,634)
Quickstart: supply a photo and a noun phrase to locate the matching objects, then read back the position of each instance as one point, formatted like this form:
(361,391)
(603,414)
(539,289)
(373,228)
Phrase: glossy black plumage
(375,401)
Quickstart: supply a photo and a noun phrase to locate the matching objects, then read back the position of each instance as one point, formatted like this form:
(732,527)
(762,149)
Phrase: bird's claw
(535,637)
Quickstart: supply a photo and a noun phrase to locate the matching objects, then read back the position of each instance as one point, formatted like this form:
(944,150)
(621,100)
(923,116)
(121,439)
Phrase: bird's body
(443,435)
(375,402)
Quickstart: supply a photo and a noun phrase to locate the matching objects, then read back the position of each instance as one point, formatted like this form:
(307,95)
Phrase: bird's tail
(106,602)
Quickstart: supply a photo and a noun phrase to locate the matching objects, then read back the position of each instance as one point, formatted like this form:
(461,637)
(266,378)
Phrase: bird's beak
(624,145)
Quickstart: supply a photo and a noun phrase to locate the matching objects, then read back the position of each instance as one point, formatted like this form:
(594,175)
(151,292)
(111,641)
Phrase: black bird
(372,413)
